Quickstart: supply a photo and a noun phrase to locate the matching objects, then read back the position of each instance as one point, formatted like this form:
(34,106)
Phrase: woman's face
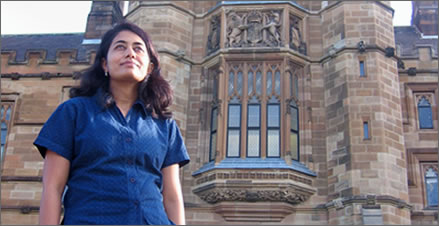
(127,58)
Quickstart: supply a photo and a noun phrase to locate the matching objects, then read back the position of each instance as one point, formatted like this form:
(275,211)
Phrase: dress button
(128,139)
(130,162)
(132,180)
(136,203)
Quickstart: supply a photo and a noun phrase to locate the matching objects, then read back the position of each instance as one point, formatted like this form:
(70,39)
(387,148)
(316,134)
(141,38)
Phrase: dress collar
(100,98)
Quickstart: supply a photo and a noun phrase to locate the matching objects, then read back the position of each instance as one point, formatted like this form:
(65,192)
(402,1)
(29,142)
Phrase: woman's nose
(130,53)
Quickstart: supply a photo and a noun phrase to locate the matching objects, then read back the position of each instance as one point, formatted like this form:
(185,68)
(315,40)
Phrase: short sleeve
(177,152)
(57,133)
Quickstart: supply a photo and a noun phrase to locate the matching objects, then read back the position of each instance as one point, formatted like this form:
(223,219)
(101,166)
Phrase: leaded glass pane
(277,82)
(362,70)
(253,115)
(231,80)
(273,149)
(273,116)
(234,115)
(239,83)
(3,135)
(258,82)
(215,88)
(269,86)
(424,102)
(4,126)
(294,145)
(366,130)
(431,186)
(294,118)
(291,83)
(233,143)
(214,119)
(425,115)
(250,82)
(212,147)
(253,143)
(296,86)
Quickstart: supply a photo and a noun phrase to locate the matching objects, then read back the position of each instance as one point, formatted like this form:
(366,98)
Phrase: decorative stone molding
(244,186)
(218,195)
(253,212)
(263,195)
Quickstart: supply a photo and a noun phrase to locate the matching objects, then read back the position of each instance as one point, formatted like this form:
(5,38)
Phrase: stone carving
(254,29)
(273,28)
(296,40)
(213,40)
(235,27)
(220,194)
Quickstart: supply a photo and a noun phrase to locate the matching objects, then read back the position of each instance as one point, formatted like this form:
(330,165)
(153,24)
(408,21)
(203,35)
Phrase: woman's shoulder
(82,102)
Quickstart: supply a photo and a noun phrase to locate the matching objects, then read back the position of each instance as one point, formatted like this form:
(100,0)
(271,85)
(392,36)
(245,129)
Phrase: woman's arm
(55,174)
(172,195)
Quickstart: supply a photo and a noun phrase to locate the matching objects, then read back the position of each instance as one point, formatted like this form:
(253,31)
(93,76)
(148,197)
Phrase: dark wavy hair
(154,90)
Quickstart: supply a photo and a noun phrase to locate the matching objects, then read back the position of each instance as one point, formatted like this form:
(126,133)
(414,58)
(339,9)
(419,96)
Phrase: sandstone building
(293,112)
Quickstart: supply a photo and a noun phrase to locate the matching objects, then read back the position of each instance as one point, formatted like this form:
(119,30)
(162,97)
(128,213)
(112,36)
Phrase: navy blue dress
(115,161)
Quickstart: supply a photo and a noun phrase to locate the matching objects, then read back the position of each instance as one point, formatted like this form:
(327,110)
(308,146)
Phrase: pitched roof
(409,39)
(50,43)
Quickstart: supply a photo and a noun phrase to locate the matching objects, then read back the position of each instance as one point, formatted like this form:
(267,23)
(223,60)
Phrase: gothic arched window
(6,109)
(425,114)
(294,116)
(431,187)
(254,95)
(234,111)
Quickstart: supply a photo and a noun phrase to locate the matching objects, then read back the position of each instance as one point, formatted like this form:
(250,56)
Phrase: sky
(30,17)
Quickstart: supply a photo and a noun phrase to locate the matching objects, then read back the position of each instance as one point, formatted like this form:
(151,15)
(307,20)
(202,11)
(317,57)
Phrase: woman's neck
(124,94)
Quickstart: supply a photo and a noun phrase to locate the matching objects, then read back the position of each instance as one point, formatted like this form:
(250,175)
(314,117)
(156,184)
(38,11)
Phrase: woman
(113,143)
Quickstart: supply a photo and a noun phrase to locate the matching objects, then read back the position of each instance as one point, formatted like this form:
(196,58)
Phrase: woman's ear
(150,68)
(104,65)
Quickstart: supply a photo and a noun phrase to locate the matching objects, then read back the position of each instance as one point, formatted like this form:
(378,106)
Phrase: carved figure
(235,27)
(295,36)
(273,26)
(214,35)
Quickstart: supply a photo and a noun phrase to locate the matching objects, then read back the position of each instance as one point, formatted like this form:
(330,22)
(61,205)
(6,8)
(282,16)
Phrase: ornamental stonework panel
(246,195)
(254,28)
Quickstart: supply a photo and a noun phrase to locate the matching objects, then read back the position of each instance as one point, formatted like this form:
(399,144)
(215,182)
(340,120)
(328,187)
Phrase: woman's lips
(129,63)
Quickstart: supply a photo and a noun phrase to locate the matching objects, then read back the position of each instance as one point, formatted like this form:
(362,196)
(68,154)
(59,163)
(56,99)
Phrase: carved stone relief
(296,38)
(221,194)
(253,29)
(213,39)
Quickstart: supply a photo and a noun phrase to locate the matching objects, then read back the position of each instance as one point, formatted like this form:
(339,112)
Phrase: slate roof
(409,39)
(51,43)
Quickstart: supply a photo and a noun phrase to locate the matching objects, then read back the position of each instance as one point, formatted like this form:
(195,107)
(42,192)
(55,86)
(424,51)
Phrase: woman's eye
(138,49)
(121,47)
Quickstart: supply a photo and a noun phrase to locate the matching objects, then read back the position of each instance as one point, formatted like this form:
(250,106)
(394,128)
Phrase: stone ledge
(253,212)
(255,163)
(265,199)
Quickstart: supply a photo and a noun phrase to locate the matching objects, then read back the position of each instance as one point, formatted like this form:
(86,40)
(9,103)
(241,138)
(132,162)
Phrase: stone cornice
(366,201)
(43,76)
(21,179)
